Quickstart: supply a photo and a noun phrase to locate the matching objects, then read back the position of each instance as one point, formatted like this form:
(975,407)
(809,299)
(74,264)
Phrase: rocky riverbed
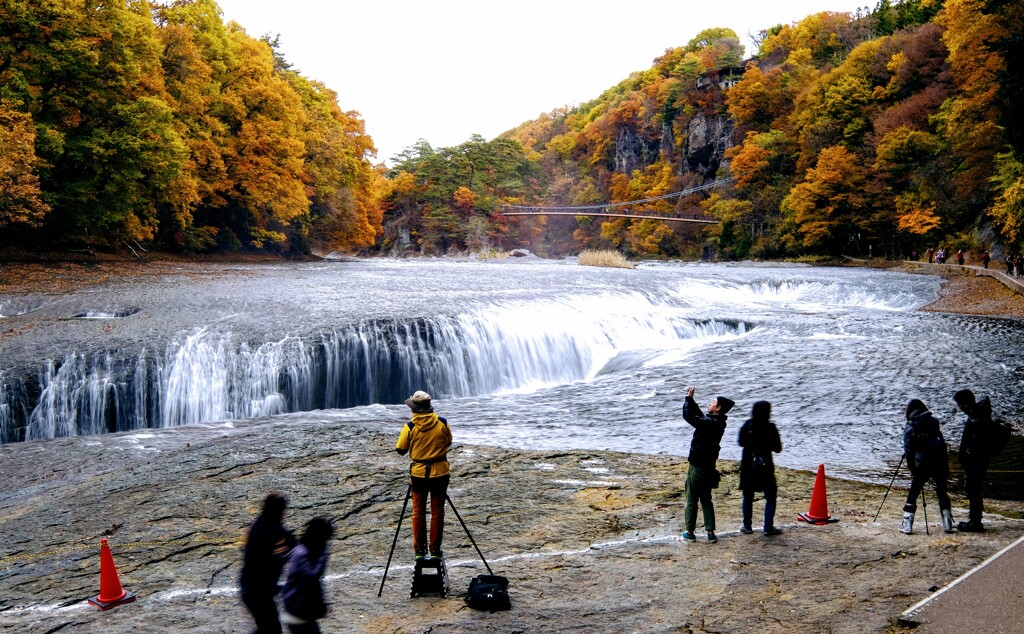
(588,539)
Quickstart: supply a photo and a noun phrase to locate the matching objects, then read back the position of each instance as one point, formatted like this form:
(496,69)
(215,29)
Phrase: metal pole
(889,487)
(447,497)
(408,492)
(924,505)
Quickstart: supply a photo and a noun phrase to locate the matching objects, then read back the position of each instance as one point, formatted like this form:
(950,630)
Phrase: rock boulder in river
(589,539)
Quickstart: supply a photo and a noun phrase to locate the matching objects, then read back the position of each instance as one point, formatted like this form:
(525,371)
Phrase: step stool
(430,578)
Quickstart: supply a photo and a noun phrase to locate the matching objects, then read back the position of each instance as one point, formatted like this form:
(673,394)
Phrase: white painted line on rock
(173,595)
(909,613)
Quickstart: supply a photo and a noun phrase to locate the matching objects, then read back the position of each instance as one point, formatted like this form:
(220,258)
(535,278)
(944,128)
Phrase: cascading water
(210,374)
(541,355)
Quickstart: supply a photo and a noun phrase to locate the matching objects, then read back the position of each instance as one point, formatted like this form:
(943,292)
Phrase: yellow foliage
(464,198)
(914,216)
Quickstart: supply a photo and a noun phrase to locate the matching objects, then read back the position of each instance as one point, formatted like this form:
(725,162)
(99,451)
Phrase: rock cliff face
(588,539)
(708,137)
(632,151)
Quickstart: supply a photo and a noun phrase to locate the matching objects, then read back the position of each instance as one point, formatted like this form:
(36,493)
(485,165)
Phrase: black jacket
(923,444)
(758,439)
(974,444)
(707,434)
(261,565)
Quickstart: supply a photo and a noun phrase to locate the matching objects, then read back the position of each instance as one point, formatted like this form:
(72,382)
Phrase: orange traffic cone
(111,592)
(818,513)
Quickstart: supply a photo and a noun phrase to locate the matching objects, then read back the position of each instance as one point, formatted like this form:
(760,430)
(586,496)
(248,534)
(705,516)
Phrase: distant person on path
(702,476)
(426,439)
(985,259)
(303,593)
(267,546)
(974,454)
(925,450)
(759,438)
(930,254)
(960,257)
(1009,264)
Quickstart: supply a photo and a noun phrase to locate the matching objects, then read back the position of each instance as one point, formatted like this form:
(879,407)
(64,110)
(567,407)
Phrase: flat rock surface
(589,540)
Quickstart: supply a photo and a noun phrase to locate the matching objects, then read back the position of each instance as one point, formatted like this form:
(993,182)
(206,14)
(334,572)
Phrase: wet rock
(587,538)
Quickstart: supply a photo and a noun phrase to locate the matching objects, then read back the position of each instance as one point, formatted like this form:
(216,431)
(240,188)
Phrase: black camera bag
(488,592)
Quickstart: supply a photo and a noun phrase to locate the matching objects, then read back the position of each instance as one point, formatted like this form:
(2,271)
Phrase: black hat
(915,405)
(965,398)
(724,404)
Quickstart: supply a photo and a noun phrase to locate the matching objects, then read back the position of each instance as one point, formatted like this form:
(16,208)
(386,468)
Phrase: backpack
(998,436)
(488,592)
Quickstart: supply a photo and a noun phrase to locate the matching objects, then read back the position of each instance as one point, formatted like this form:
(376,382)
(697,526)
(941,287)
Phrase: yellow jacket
(426,438)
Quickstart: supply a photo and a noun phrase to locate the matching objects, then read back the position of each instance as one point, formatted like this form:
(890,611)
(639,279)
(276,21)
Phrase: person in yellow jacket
(426,439)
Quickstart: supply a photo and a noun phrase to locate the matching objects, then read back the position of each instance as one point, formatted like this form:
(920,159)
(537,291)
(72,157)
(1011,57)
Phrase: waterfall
(211,374)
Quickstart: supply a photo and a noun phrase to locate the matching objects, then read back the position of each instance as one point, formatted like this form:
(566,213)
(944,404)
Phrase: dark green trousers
(698,490)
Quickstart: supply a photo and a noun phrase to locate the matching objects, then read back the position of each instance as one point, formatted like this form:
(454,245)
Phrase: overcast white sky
(443,70)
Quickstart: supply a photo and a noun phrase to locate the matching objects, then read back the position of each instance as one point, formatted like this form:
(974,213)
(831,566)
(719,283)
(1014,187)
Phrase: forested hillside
(879,133)
(128,125)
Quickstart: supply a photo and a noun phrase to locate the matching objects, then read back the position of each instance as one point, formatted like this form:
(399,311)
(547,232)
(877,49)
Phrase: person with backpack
(267,546)
(426,438)
(926,453)
(759,438)
(303,593)
(702,476)
(977,445)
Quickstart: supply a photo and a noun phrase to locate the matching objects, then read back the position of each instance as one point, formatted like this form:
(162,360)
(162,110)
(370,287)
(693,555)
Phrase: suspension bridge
(618,210)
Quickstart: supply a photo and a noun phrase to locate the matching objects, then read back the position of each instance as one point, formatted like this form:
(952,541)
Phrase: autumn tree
(1008,208)
(828,208)
(21,205)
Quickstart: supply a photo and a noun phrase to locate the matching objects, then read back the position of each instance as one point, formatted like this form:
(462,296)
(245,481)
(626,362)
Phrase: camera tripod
(440,565)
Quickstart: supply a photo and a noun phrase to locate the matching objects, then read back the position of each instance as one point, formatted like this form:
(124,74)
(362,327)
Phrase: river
(522,353)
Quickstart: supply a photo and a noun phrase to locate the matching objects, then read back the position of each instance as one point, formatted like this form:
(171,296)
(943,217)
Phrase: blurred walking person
(759,438)
(702,475)
(267,546)
(303,593)
(926,453)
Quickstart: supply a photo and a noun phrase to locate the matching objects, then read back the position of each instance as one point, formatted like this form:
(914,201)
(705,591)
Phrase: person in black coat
(303,594)
(925,450)
(759,438)
(267,546)
(702,476)
(974,454)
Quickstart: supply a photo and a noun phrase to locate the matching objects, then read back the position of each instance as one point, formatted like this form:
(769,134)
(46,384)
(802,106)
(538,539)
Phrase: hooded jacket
(707,434)
(759,438)
(974,444)
(923,444)
(426,439)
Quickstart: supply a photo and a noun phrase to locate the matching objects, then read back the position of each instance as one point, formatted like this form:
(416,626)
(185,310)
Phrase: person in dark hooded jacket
(702,476)
(759,438)
(925,450)
(974,454)
(266,550)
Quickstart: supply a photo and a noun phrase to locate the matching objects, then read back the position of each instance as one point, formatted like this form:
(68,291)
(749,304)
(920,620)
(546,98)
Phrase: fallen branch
(137,256)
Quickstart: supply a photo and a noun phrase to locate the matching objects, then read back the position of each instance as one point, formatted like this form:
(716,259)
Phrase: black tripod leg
(466,528)
(408,492)
(889,487)
(924,505)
